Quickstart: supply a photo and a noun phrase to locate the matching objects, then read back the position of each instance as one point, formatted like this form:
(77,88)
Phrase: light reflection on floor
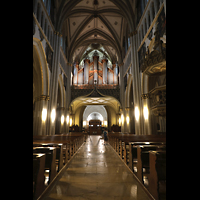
(96,172)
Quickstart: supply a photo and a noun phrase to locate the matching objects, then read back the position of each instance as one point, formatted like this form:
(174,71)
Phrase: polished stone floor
(96,173)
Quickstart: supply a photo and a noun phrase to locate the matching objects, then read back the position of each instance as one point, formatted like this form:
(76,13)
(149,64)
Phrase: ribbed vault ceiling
(95,24)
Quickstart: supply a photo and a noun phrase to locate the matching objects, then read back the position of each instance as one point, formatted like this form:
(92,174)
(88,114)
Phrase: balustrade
(158,100)
(148,19)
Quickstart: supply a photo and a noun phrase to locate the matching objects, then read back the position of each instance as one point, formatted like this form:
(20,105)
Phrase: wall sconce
(146,112)
(67,119)
(44,114)
(62,119)
(136,113)
(127,119)
(70,123)
(53,115)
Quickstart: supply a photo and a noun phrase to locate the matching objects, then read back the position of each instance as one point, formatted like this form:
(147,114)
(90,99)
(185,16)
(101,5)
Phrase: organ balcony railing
(148,19)
(155,62)
(104,89)
(92,86)
(158,100)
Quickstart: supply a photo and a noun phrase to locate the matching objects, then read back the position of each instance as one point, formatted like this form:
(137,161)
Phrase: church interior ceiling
(94,25)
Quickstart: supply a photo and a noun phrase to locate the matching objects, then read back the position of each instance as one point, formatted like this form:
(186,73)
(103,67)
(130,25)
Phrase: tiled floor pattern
(96,173)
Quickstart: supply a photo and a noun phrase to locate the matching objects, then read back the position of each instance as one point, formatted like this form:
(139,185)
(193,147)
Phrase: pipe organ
(95,72)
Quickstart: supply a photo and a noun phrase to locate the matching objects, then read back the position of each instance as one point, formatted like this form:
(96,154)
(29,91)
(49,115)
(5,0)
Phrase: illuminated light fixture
(105,123)
(84,123)
(146,112)
(127,119)
(122,118)
(62,119)
(44,114)
(136,113)
(53,115)
(70,123)
(67,119)
(119,121)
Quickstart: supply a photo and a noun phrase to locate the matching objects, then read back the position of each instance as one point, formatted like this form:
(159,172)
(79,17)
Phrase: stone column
(86,71)
(146,108)
(59,112)
(136,85)
(53,91)
(39,126)
(162,122)
(122,95)
(104,61)
(95,59)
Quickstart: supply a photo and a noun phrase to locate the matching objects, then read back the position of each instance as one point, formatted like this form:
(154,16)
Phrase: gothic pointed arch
(40,69)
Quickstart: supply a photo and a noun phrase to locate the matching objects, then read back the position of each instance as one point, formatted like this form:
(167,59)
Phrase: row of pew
(50,154)
(145,155)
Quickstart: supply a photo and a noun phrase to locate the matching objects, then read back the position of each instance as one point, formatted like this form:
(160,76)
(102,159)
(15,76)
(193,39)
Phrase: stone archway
(95,112)
(40,88)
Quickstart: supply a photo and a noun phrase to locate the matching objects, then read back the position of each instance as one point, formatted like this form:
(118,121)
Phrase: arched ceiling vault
(104,101)
(94,22)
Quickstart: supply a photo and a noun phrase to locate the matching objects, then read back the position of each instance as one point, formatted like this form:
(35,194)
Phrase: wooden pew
(71,142)
(120,142)
(59,151)
(38,174)
(132,151)
(157,162)
(128,147)
(50,159)
(143,159)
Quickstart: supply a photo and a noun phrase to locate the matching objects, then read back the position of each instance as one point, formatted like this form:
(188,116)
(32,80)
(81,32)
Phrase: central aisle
(97,173)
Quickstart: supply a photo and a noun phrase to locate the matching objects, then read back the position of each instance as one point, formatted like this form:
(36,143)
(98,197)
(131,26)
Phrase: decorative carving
(102,91)
(159,110)
(145,96)
(95,2)
(42,97)
(155,62)
(158,100)
(95,53)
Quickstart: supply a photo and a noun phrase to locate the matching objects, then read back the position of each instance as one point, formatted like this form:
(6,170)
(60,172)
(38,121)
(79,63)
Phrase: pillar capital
(42,97)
